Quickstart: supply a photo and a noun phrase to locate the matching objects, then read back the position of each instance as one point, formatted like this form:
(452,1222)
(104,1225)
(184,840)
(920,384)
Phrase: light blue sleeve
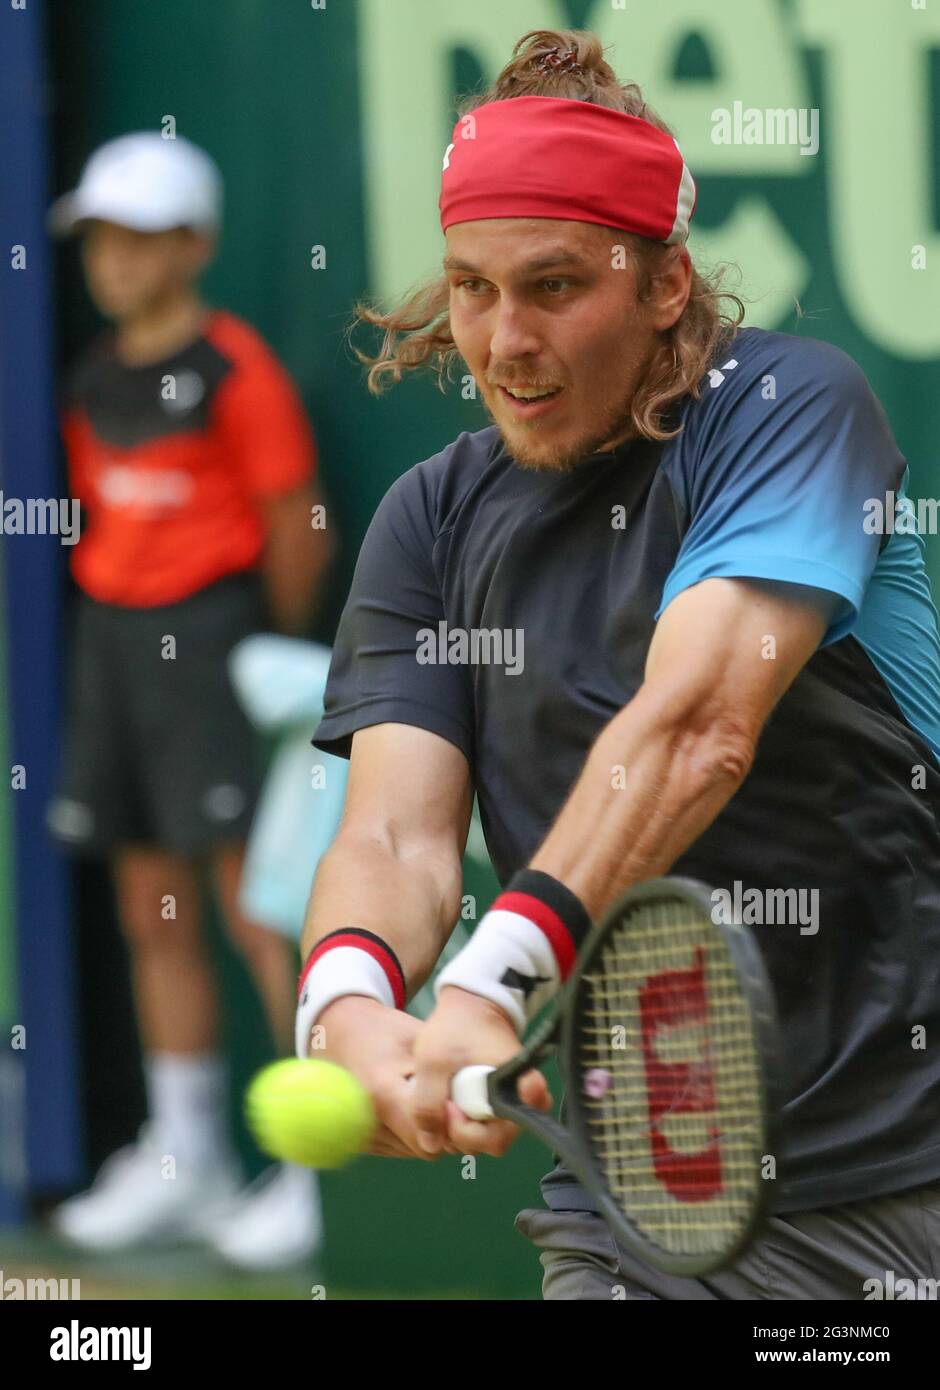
(784,477)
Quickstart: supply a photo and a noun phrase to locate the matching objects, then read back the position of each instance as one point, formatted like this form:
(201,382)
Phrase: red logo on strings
(670,1002)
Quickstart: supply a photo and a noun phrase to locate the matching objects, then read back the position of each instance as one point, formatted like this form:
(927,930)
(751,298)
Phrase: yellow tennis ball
(309,1112)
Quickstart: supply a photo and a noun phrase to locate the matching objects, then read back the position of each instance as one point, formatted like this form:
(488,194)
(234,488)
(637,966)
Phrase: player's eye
(556,284)
(474,286)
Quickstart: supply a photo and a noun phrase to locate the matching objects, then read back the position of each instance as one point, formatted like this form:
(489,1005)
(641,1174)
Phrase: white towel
(281,681)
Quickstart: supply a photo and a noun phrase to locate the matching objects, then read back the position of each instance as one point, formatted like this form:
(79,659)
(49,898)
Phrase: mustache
(540,383)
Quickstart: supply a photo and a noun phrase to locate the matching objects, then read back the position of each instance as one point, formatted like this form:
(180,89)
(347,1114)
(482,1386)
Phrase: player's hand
(464,1030)
(376,1044)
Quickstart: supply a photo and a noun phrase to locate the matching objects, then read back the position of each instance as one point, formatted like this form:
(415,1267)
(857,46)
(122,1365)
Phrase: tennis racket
(667,1037)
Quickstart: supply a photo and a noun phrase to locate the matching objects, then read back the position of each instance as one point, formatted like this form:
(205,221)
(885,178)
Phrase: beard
(541,455)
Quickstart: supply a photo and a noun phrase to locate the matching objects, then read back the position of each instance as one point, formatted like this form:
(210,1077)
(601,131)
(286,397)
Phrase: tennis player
(729,672)
(190,453)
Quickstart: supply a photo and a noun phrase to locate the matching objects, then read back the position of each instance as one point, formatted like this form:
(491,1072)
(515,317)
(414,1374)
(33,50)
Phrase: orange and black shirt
(172,460)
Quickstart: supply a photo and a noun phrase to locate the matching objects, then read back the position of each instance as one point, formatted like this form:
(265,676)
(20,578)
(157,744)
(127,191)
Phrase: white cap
(145,182)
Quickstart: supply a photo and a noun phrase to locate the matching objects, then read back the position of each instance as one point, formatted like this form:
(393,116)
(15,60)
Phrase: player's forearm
(651,785)
(412,903)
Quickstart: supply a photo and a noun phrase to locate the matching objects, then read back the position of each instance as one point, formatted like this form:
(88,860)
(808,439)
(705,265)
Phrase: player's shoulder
(463,461)
(437,486)
(810,359)
(757,365)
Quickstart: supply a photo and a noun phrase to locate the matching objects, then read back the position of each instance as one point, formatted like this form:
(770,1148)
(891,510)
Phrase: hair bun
(558,61)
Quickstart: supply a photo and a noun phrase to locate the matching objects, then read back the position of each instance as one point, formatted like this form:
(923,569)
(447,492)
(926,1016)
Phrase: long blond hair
(566,63)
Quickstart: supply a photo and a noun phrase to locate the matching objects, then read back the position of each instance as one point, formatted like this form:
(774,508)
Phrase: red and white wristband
(524,948)
(347,961)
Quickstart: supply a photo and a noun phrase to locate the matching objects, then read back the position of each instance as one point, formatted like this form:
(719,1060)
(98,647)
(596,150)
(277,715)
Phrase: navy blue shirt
(784,469)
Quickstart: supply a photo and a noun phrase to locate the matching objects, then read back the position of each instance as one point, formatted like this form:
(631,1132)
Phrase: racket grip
(468,1089)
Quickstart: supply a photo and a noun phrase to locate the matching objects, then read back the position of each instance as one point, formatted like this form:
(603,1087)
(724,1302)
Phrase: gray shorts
(887,1248)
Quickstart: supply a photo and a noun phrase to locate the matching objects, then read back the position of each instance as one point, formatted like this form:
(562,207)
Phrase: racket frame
(562,1033)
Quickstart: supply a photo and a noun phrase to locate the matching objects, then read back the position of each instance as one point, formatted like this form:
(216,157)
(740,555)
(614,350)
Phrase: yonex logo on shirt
(716,377)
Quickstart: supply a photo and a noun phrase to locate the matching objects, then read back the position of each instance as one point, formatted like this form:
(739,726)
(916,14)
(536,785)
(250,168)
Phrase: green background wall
(329,124)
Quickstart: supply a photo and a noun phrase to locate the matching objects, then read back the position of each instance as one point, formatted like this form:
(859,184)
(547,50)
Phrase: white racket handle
(468,1090)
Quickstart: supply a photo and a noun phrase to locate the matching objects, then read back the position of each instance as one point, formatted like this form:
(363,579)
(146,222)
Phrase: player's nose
(513,335)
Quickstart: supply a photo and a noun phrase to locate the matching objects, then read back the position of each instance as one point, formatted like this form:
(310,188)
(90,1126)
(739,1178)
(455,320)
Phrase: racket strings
(670,1078)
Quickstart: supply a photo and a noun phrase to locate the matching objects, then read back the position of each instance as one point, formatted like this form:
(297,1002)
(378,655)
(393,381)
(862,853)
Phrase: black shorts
(157,749)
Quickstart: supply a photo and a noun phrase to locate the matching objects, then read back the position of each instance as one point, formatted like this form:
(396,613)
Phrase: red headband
(549,157)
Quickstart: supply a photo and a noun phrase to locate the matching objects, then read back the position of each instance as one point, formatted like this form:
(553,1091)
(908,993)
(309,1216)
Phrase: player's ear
(669,288)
